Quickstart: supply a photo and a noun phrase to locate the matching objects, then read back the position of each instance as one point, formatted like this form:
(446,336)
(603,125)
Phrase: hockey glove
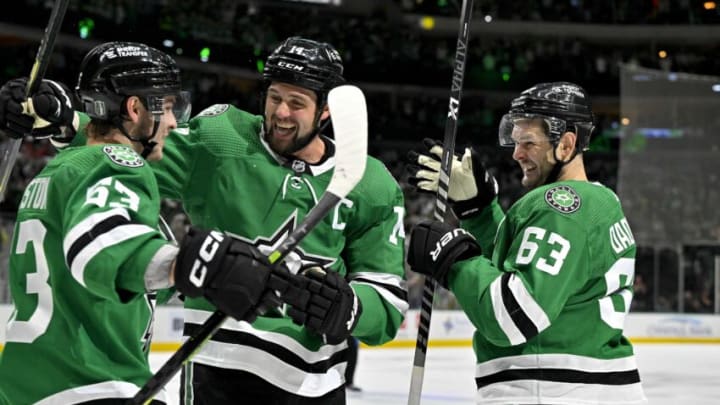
(48,113)
(435,246)
(472,187)
(233,275)
(333,309)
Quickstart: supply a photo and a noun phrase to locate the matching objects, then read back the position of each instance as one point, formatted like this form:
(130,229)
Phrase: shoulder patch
(123,155)
(563,198)
(214,110)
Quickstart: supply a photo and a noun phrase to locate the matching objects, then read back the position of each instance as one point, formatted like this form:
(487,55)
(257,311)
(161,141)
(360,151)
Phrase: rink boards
(453,329)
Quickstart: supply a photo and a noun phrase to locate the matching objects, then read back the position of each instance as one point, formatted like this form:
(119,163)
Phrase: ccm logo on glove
(205,255)
(444,240)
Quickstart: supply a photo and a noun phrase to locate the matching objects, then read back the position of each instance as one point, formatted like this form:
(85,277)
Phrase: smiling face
(533,151)
(289,117)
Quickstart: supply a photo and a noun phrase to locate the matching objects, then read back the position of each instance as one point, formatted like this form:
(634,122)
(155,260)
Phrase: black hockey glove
(233,275)
(49,112)
(435,246)
(333,309)
(472,187)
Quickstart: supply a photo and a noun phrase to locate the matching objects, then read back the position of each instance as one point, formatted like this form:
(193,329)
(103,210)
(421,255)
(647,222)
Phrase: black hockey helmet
(113,71)
(306,63)
(563,106)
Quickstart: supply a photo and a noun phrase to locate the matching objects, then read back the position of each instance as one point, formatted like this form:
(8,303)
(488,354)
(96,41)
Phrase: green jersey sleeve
(374,257)
(118,202)
(484,226)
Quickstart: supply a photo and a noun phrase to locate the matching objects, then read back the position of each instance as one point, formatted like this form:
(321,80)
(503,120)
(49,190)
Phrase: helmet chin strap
(147,143)
(555,172)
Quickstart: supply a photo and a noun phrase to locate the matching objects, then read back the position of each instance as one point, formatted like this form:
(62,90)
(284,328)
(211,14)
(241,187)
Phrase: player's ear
(325,113)
(132,108)
(566,146)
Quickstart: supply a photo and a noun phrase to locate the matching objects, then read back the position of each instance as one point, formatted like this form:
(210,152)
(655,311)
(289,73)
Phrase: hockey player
(548,285)
(257,177)
(86,252)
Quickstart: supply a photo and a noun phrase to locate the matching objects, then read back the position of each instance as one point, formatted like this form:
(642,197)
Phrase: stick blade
(348,112)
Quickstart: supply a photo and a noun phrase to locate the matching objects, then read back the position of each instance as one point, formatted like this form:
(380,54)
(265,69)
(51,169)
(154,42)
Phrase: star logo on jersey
(123,155)
(563,199)
(297,258)
(214,110)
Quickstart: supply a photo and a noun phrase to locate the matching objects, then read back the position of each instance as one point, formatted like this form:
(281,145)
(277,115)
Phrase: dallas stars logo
(214,110)
(123,155)
(297,258)
(563,199)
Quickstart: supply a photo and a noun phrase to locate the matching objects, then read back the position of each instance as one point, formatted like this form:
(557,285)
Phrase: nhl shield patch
(123,155)
(563,199)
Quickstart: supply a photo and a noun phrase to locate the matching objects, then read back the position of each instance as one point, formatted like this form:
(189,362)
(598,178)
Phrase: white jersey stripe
(558,393)
(528,304)
(555,361)
(270,368)
(107,389)
(382,278)
(552,392)
(502,316)
(84,226)
(401,305)
(113,237)
(325,352)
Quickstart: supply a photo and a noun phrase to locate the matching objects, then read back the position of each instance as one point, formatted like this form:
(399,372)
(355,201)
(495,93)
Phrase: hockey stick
(349,120)
(441,200)
(11,148)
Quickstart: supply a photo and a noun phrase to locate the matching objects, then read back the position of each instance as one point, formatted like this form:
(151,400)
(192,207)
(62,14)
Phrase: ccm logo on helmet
(444,240)
(291,66)
(207,253)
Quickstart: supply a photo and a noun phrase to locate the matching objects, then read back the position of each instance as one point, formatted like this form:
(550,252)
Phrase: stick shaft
(11,148)
(441,199)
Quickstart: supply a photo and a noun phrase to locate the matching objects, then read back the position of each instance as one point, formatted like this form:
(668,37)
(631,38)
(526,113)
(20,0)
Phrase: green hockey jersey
(229,179)
(86,233)
(549,298)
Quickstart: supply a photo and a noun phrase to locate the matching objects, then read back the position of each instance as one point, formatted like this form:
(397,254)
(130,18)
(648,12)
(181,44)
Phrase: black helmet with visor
(306,63)
(113,71)
(559,106)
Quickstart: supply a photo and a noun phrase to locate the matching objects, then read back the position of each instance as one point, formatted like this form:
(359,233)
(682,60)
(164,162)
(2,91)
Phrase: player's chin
(530,181)
(281,145)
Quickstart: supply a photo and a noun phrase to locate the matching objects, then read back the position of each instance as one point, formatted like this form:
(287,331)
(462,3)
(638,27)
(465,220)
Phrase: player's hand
(233,275)
(332,310)
(472,187)
(12,120)
(435,246)
(47,113)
